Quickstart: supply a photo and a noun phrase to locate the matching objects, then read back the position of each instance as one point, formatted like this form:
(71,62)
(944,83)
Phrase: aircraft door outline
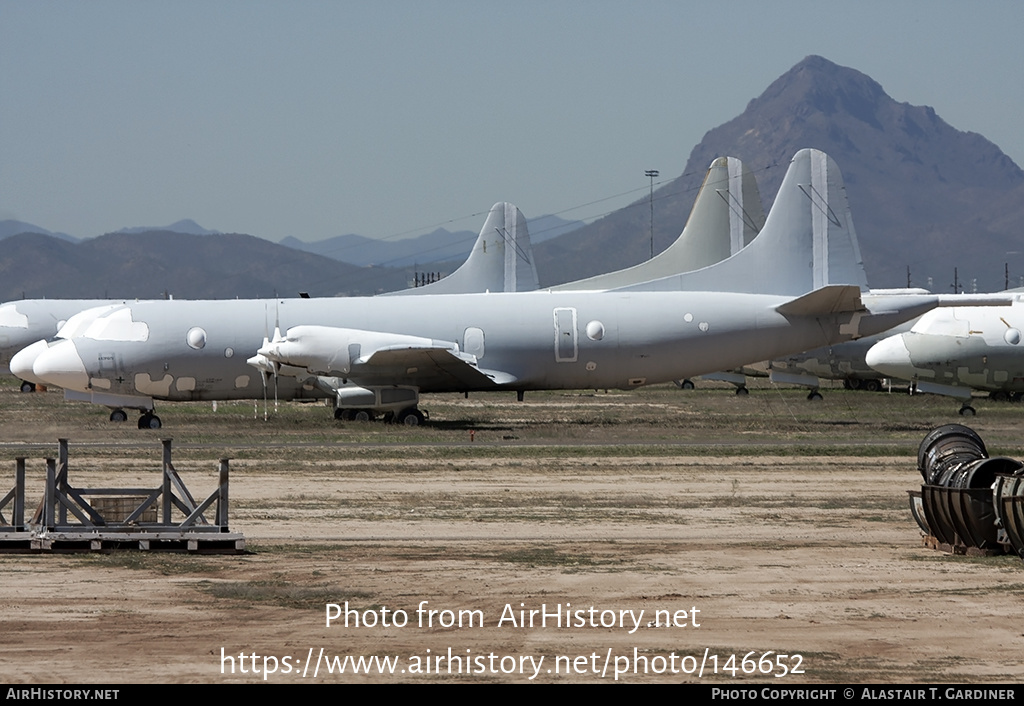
(566,340)
(473,342)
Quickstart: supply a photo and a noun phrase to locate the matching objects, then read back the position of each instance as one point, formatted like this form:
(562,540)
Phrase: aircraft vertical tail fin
(501,259)
(725,217)
(728,201)
(808,240)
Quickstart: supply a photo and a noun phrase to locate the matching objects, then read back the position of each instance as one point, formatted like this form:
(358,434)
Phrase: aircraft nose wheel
(149,421)
(28,387)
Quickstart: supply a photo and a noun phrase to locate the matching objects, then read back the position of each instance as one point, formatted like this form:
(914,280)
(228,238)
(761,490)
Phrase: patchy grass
(284,593)
(163,563)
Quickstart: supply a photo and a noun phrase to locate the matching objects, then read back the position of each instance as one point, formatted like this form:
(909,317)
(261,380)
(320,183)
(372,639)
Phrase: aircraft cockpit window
(117,326)
(77,325)
(941,322)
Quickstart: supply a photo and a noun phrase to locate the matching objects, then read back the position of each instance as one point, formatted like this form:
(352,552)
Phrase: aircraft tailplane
(825,301)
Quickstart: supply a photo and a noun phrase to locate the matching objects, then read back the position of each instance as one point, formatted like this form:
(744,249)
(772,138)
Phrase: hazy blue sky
(383,118)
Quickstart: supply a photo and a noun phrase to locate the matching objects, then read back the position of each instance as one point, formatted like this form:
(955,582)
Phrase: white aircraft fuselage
(191,350)
(954,350)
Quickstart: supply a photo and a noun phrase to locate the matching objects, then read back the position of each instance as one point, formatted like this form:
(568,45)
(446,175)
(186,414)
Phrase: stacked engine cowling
(969,502)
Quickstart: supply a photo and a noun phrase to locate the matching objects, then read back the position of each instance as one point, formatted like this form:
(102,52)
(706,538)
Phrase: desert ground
(773,533)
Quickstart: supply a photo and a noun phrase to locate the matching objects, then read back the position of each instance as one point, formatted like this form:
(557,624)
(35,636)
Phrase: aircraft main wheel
(28,387)
(149,421)
(967,411)
(687,385)
(361,415)
(999,396)
(742,391)
(814,396)
(119,415)
(851,384)
(411,417)
(338,412)
(872,385)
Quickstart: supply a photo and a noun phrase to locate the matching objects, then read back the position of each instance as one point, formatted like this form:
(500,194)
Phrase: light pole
(651,173)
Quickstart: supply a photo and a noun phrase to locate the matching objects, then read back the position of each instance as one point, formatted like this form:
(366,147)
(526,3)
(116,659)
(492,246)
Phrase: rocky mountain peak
(923,194)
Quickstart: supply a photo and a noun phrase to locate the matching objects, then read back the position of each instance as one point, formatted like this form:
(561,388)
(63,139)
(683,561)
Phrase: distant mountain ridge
(437,246)
(186,225)
(148,265)
(358,250)
(924,195)
(137,263)
(12,227)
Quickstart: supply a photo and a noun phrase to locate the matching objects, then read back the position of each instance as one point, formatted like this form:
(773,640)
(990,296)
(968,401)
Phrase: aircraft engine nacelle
(333,351)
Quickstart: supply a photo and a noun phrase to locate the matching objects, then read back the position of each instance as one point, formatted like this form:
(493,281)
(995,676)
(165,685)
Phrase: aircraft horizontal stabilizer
(831,299)
(995,299)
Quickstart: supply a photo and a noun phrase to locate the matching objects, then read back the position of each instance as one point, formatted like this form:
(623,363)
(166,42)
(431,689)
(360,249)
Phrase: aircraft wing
(426,368)
(375,358)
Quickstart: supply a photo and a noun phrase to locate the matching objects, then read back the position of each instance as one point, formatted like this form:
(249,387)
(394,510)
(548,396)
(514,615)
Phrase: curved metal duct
(963,498)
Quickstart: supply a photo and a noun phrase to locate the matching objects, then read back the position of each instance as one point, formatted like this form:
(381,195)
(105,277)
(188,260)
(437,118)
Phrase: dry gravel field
(671,536)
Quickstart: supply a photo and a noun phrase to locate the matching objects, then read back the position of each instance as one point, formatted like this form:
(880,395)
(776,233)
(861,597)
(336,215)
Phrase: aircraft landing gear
(742,391)
(149,421)
(119,415)
(967,410)
(686,385)
(872,385)
(28,386)
(814,396)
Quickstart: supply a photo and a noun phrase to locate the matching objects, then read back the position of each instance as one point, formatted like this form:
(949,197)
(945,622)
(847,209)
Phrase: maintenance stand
(70,519)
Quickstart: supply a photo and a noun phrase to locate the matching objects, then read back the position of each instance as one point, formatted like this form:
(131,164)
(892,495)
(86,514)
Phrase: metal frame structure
(67,520)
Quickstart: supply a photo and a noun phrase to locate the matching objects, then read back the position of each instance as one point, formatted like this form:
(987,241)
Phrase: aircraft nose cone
(891,357)
(23,360)
(61,366)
